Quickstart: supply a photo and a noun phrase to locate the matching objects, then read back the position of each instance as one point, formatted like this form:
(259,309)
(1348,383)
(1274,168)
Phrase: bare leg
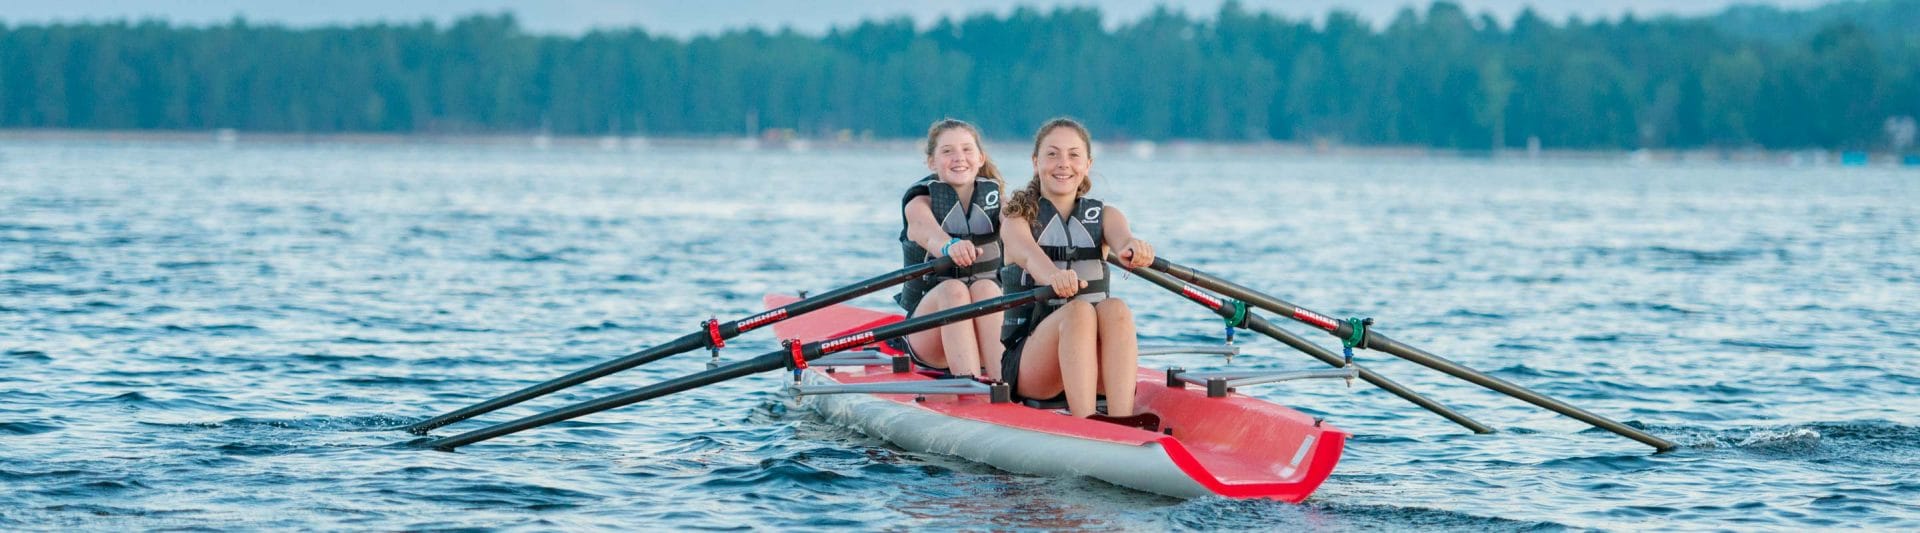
(952,345)
(988,328)
(1079,359)
(1119,355)
(1040,359)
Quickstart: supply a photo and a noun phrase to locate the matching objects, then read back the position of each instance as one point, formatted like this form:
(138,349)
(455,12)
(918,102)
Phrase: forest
(1834,77)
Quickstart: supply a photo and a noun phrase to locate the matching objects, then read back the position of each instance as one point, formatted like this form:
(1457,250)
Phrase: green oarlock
(1358,336)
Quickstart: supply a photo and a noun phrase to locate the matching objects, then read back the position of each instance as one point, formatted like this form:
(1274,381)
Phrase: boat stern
(1242,447)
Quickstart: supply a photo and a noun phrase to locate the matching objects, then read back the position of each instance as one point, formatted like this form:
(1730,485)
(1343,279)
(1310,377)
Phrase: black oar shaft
(687,343)
(725,372)
(1260,325)
(1374,340)
(833,297)
(1382,343)
(765,362)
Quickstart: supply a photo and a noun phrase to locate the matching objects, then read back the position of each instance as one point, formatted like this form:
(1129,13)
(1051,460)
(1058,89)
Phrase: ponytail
(987,168)
(1025,203)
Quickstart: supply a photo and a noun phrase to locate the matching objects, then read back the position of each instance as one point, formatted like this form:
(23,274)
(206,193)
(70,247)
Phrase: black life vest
(1073,242)
(976,221)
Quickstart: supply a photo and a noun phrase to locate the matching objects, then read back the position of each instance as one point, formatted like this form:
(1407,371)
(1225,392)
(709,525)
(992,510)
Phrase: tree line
(1439,76)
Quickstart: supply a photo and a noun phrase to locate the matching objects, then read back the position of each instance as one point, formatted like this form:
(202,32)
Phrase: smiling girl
(1082,344)
(954,212)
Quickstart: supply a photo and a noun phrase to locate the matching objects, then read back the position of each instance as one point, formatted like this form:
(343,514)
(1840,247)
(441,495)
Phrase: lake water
(196,335)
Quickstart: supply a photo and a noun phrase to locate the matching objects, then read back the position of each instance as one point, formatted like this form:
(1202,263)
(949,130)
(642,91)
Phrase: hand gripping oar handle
(711,334)
(774,360)
(1374,340)
(1226,309)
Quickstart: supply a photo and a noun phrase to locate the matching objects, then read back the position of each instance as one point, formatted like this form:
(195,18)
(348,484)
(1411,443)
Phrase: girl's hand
(1137,253)
(964,253)
(1066,283)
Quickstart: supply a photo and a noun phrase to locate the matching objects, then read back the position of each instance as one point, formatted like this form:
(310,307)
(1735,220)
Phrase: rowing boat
(1187,443)
(1233,446)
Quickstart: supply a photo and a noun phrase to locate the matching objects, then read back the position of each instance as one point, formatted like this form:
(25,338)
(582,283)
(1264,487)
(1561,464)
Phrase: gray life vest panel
(1073,242)
(976,220)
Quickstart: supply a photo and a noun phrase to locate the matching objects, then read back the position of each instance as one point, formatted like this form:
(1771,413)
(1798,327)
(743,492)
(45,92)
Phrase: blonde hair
(987,168)
(1025,203)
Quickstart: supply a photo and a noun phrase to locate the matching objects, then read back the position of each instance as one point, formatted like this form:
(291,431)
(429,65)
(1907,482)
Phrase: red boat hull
(1236,447)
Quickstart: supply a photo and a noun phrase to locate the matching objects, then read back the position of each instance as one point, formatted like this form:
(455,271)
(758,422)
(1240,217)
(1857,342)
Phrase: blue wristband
(949,246)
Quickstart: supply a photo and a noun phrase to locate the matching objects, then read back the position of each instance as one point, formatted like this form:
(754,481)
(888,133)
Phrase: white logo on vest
(993,199)
(1092,214)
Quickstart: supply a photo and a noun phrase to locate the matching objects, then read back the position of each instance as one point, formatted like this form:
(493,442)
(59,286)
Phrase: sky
(684,18)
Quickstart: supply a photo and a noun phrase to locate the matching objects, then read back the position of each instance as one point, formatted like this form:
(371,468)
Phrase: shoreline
(784,140)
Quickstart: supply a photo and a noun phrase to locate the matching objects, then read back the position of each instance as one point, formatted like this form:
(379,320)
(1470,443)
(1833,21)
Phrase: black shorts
(1010,373)
(900,343)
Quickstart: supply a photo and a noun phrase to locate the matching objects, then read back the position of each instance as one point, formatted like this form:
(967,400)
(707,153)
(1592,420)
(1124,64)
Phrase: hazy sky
(706,16)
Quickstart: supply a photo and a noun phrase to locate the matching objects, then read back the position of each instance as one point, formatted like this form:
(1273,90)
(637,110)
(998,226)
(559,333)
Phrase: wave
(1214,514)
(1793,439)
(1661,257)
(323,423)
(1805,438)
(214,329)
(154,310)
(1704,257)
(1766,345)
(1521,347)
(604,325)
(1468,313)
(36,356)
(385,381)
(791,473)
(28,428)
(532,256)
(137,400)
(517,495)
(1660,307)
(1602,464)
(1524,371)
(28,475)
(362,340)
(185,265)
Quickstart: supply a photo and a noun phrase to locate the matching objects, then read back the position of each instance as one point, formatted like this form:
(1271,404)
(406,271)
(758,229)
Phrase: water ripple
(198,337)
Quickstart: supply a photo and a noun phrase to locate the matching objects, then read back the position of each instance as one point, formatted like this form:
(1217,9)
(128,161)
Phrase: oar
(1236,311)
(792,357)
(712,334)
(1356,333)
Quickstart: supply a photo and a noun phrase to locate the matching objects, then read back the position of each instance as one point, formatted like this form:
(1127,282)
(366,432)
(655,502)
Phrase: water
(205,336)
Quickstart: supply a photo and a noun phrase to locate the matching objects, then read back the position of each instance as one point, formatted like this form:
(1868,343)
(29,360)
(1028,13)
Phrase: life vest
(976,221)
(1073,242)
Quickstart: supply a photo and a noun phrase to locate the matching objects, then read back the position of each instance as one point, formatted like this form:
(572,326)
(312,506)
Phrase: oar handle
(774,360)
(822,348)
(729,330)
